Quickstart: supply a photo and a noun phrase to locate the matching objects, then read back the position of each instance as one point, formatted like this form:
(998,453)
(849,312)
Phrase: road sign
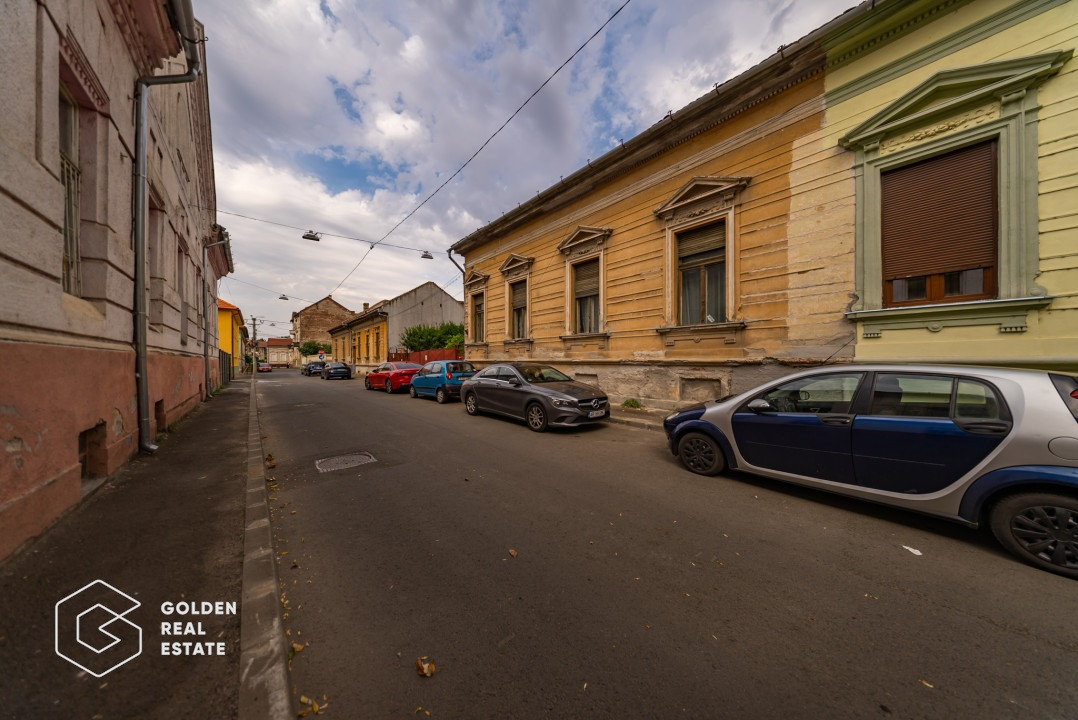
(321,356)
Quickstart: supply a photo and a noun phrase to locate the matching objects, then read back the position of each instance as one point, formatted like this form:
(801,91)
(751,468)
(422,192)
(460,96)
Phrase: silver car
(541,395)
(970,444)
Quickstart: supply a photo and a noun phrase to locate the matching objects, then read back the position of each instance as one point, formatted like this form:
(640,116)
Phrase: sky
(343,116)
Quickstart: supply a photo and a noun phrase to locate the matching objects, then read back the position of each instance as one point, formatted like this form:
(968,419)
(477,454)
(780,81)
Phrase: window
(478,326)
(70,175)
(518,294)
(816,394)
(976,400)
(701,254)
(912,395)
(586,297)
(939,228)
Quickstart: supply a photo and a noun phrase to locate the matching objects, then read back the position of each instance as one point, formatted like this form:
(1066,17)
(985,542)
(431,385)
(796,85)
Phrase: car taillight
(1074,394)
(449,376)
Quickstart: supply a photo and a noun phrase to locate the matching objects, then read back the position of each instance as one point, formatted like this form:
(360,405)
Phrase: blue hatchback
(974,445)
(441,379)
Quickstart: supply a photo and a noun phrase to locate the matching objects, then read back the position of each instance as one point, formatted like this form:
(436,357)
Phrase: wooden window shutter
(708,238)
(586,276)
(940,215)
(520,295)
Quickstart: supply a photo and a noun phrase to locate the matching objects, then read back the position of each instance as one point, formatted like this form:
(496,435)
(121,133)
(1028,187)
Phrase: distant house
(899,184)
(373,334)
(232,335)
(314,321)
(279,352)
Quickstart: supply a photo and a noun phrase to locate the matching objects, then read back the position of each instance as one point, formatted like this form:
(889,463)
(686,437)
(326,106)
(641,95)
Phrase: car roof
(1014,374)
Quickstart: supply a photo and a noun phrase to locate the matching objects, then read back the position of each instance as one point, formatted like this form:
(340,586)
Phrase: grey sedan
(540,395)
(981,446)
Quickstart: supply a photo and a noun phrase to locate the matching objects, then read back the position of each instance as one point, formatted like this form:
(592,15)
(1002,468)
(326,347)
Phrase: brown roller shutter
(701,240)
(940,215)
(586,278)
(520,295)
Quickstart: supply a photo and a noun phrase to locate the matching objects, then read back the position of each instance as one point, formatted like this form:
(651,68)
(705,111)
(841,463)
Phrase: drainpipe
(183,16)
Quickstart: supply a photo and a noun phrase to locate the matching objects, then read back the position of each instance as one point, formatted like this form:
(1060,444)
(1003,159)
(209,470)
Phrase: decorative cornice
(475,280)
(82,73)
(703,194)
(516,265)
(584,240)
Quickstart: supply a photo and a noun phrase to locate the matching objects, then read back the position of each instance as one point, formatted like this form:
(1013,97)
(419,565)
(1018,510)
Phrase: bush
(633,403)
(429,337)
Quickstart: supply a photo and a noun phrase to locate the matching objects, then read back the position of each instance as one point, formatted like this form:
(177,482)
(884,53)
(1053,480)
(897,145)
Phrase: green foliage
(311,347)
(632,403)
(428,337)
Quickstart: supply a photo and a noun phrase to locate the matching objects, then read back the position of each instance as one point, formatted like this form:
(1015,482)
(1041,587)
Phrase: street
(586,574)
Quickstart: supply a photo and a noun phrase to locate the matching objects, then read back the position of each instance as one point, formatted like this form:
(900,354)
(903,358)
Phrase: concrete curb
(264,677)
(647,423)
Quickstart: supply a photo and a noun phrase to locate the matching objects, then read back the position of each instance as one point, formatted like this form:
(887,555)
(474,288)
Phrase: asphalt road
(585,574)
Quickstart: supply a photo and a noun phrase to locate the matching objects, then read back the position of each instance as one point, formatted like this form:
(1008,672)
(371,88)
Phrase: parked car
(441,379)
(336,370)
(264,367)
(391,376)
(540,395)
(980,446)
(314,367)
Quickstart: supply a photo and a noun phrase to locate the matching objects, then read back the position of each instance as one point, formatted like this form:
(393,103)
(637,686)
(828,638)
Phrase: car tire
(701,454)
(412,392)
(535,415)
(1040,529)
(367,383)
(441,396)
(471,404)
(389,387)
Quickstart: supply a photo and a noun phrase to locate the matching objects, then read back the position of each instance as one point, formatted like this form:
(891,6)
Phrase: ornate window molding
(516,270)
(951,110)
(702,201)
(584,245)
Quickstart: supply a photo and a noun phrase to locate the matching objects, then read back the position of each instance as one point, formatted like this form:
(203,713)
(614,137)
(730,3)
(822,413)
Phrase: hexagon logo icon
(92,632)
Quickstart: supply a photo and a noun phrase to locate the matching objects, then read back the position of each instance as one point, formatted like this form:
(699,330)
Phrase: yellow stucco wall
(229,325)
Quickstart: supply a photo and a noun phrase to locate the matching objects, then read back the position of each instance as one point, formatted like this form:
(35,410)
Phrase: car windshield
(542,374)
(405,366)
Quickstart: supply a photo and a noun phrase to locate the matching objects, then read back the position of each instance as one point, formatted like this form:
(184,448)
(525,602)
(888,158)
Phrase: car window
(436,368)
(976,399)
(460,367)
(542,374)
(489,372)
(506,374)
(831,393)
(911,395)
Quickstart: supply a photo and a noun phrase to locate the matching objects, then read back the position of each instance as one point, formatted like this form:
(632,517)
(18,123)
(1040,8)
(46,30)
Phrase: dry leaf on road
(424,666)
(513,553)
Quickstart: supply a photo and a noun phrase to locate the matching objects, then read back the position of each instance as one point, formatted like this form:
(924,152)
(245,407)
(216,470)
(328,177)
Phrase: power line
(326,234)
(485,143)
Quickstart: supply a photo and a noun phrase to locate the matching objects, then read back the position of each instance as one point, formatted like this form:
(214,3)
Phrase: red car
(392,376)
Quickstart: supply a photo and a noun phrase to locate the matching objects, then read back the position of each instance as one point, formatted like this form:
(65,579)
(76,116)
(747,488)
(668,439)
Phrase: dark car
(314,367)
(336,370)
(980,446)
(391,376)
(441,379)
(540,395)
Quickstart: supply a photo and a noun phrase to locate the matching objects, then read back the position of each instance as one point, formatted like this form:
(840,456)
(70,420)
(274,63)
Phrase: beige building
(313,323)
(742,236)
(96,94)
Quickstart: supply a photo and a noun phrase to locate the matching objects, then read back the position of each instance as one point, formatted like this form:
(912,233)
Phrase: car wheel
(701,454)
(536,417)
(441,396)
(1040,529)
(367,383)
(412,392)
(471,404)
(389,387)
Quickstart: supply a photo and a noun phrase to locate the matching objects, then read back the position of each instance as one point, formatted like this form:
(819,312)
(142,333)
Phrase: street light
(283,297)
(426,255)
(312,235)
(206,313)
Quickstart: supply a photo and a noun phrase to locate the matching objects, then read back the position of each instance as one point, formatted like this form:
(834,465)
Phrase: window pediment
(950,92)
(702,195)
(584,240)
(475,280)
(516,265)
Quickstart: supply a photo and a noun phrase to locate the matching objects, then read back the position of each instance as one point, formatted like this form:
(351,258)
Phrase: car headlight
(559,402)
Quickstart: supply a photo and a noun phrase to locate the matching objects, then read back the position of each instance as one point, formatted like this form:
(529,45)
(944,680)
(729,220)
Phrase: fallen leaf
(915,551)
(293,512)
(424,666)
(297,647)
(927,684)
(513,552)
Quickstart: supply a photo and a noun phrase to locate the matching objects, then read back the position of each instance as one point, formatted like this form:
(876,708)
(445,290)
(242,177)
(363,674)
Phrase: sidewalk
(167,528)
(647,418)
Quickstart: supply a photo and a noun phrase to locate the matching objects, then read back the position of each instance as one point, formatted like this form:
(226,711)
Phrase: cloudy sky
(342,116)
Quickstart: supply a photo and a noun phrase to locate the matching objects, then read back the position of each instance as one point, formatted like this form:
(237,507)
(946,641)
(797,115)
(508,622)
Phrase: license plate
(596,413)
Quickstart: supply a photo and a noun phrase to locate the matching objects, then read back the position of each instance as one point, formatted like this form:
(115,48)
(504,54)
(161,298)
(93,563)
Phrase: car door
(483,384)
(426,379)
(803,429)
(925,431)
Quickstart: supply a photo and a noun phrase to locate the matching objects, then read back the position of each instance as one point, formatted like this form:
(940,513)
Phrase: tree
(311,347)
(429,337)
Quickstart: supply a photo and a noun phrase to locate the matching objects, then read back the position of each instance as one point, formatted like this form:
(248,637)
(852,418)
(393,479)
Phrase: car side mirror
(514,382)
(760,405)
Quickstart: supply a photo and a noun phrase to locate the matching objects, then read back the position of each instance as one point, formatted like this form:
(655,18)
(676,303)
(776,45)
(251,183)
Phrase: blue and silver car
(980,446)
(441,379)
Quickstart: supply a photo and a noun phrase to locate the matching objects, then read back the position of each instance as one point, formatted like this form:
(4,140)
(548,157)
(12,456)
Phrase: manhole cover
(343,462)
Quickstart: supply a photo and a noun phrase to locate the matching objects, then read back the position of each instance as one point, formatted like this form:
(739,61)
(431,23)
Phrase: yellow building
(232,334)
(739,238)
(965,181)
